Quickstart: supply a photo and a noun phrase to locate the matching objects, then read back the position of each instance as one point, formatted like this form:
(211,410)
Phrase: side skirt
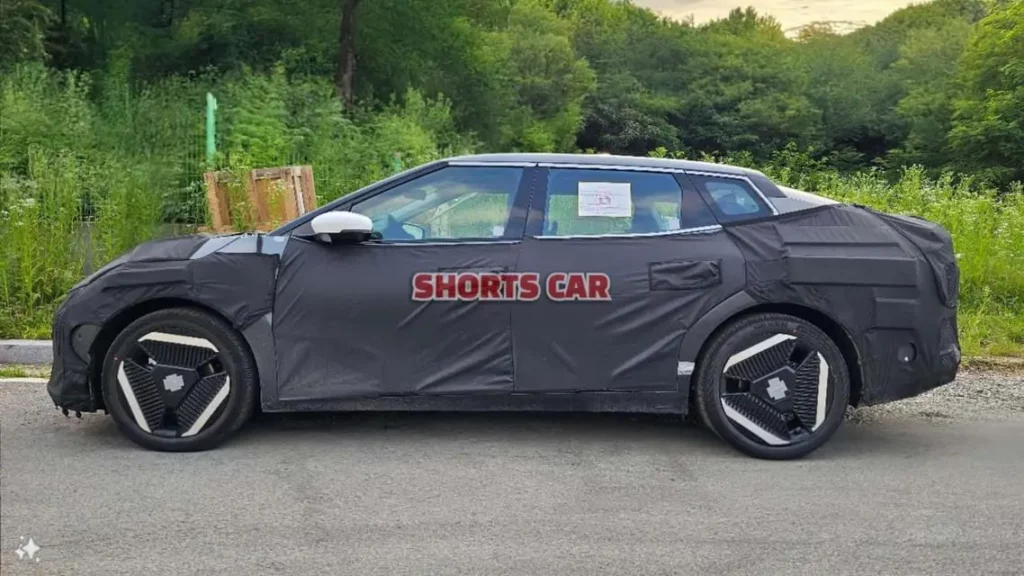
(629,402)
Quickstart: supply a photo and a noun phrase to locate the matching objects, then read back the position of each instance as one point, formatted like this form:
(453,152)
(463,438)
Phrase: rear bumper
(888,376)
(902,388)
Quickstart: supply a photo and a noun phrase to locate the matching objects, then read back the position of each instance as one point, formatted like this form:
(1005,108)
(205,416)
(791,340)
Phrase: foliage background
(102,111)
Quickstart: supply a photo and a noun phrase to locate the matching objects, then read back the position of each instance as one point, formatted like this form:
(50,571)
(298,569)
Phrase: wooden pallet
(273,196)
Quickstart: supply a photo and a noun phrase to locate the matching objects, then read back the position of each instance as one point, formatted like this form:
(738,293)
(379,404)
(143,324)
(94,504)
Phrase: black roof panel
(606,160)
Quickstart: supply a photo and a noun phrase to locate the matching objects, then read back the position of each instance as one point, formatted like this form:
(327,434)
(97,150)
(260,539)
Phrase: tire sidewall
(240,391)
(745,332)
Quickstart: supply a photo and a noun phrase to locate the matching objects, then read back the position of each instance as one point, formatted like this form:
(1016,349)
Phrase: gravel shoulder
(982,393)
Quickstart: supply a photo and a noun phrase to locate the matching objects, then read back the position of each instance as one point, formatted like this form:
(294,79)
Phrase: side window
(596,202)
(452,203)
(732,198)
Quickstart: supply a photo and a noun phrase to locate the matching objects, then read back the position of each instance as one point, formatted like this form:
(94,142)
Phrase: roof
(607,160)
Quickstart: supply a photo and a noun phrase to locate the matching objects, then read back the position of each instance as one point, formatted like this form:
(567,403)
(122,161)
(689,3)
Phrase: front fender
(239,286)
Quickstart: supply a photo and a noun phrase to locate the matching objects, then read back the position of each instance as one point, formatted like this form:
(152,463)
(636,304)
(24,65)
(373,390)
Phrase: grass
(12,372)
(24,371)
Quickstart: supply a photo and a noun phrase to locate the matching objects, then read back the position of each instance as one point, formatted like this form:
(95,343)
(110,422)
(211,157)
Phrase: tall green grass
(38,229)
(90,168)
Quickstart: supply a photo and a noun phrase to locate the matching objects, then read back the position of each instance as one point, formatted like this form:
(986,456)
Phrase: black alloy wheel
(772,385)
(179,380)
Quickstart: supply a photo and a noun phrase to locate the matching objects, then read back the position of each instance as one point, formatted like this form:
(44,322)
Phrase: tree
(841,84)
(344,77)
(640,62)
(926,74)
(747,93)
(988,131)
(22,31)
(541,83)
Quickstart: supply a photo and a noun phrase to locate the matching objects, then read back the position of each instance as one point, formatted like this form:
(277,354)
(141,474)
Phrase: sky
(791,13)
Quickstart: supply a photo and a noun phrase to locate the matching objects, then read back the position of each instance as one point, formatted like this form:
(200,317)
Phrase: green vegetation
(102,114)
(12,372)
(24,371)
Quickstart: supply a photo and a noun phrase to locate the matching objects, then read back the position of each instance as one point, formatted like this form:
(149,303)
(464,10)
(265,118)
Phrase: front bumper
(69,378)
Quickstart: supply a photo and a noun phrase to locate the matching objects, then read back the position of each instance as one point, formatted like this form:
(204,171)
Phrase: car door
(345,324)
(667,262)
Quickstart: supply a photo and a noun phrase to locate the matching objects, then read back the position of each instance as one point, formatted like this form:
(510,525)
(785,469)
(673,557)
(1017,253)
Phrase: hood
(174,248)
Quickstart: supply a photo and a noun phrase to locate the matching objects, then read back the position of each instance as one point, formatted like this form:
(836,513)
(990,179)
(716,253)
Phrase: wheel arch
(118,322)
(741,304)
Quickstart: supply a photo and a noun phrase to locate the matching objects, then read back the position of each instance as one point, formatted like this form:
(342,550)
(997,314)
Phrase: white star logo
(28,549)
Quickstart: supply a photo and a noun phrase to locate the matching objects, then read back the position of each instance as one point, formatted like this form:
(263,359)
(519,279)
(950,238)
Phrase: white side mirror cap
(337,223)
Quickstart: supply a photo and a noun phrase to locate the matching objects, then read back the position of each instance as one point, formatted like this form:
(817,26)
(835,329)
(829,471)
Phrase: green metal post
(211,129)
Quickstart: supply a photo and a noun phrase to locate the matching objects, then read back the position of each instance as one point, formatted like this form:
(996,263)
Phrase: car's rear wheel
(179,380)
(772,385)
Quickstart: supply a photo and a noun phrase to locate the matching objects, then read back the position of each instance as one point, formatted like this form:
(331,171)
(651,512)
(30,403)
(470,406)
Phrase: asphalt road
(493,494)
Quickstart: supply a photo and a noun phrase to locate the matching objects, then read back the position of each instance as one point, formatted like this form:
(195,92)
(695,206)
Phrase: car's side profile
(525,282)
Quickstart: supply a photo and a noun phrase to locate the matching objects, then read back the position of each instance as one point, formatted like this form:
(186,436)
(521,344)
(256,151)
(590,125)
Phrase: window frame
(527,214)
(538,204)
(767,209)
(515,223)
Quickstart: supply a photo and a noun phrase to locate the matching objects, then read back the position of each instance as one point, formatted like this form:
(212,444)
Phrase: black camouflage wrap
(237,286)
(345,325)
(887,280)
(336,323)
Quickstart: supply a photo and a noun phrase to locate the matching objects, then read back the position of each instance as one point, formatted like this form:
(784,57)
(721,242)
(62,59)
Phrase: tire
(179,380)
(759,381)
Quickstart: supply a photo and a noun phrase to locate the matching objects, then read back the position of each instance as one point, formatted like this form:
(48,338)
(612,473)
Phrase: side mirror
(331,227)
(417,232)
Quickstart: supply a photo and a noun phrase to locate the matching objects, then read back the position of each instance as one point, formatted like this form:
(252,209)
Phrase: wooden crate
(273,196)
(218,201)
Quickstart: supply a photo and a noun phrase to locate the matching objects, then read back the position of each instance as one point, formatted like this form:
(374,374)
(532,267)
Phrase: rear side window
(732,199)
(597,202)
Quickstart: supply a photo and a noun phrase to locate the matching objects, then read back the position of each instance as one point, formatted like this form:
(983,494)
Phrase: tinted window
(732,198)
(595,202)
(449,204)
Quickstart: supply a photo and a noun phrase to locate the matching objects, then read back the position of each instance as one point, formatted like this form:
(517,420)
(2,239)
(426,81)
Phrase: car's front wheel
(772,385)
(179,380)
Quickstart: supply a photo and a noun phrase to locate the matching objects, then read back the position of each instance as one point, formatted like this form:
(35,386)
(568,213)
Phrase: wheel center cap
(776,386)
(174,383)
